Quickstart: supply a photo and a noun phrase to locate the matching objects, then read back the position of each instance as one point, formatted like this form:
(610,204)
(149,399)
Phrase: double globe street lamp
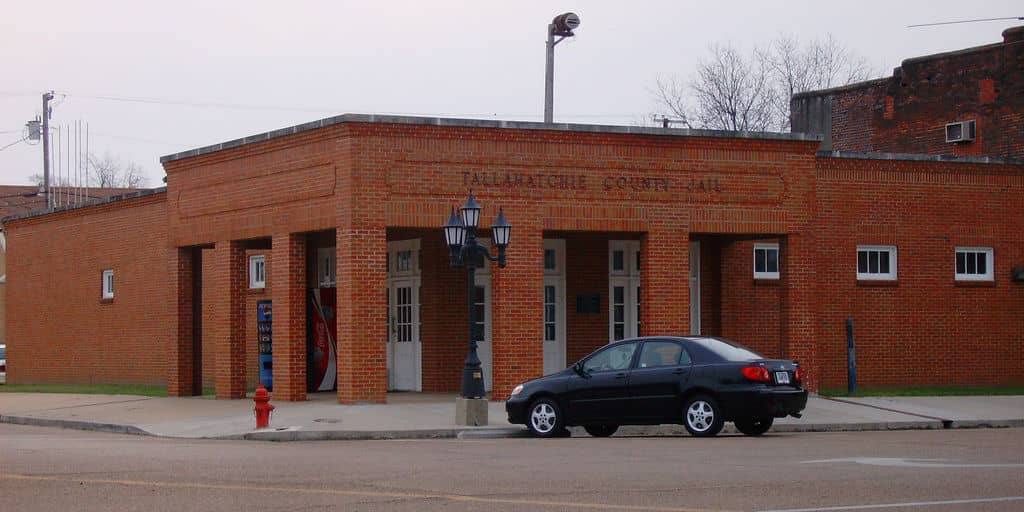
(460,234)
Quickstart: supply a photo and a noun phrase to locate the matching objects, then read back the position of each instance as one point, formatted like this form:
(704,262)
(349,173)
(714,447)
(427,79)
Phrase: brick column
(180,357)
(517,307)
(288,275)
(665,281)
(798,313)
(362,315)
(226,330)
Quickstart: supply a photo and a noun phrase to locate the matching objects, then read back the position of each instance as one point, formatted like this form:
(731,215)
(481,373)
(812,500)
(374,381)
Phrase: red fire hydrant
(263,407)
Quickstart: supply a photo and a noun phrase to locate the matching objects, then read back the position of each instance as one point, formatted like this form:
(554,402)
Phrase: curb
(74,425)
(288,434)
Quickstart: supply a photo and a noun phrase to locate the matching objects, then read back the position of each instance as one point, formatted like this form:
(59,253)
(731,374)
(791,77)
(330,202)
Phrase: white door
(482,325)
(694,288)
(404,334)
(623,289)
(554,324)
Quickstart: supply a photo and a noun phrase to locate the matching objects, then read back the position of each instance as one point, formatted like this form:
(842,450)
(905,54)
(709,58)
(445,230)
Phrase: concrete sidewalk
(425,415)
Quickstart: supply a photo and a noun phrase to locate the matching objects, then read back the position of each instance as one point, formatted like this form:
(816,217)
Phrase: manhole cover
(327,420)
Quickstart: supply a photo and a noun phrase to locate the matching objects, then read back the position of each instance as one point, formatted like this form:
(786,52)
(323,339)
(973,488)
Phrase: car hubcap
(543,418)
(700,416)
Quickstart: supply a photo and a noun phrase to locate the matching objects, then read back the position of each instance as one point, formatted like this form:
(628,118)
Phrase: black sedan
(701,382)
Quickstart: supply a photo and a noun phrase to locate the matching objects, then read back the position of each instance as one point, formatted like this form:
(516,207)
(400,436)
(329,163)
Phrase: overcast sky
(211,71)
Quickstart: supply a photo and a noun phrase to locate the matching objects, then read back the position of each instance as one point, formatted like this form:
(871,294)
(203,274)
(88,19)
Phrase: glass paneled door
(404,350)
(554,305)
(482,325)
(623,289)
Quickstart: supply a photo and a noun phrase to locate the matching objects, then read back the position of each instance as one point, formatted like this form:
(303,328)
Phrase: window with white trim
(974,264)
(257,271)
(876,262)
(766,261)
(108,284)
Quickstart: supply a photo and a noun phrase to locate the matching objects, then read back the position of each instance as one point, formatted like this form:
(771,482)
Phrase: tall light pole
(562,26)
(45,189)
(460,235)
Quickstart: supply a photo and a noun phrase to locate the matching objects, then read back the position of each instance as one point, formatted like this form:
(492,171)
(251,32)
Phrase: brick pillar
(288,275)
(665,281)
(798,320)
(517,307)
(227,331)
(362,315)
(180,357)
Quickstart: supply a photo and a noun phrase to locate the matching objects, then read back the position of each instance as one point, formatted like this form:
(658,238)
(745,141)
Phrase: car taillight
(756,374)
(798,375)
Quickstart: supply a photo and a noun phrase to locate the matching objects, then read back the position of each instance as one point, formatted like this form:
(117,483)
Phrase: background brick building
(662,229)
(908,112)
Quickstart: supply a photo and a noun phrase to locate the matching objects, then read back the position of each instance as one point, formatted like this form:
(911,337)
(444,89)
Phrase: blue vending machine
(264,319)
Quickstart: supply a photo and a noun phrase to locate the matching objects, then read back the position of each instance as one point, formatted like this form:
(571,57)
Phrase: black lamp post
(460,234)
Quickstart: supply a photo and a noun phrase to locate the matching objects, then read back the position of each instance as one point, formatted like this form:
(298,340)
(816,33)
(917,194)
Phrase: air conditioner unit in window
(962,131)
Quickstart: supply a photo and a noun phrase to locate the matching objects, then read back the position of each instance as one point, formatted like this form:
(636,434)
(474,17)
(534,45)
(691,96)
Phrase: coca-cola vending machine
(322,358)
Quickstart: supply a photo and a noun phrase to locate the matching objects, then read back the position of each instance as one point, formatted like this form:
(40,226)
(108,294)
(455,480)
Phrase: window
(766,261)
(876,262)
(554,256)
(257,271)
(326,261)
(550,320)
(660,353)
(108,284)
(974,264)
(612,358)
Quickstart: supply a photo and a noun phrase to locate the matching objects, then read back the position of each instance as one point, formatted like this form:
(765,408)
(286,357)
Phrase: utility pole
(562,26)
(45,189)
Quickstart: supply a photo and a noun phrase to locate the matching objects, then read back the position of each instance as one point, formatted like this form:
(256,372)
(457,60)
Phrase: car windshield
(728,350)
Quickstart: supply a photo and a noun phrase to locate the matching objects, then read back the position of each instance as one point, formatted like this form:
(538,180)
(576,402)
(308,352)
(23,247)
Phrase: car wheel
(545,418)
(702,416)
(600,430)
(754,426)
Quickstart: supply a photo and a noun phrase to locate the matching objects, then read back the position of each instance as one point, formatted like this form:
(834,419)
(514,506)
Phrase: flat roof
(111,199)
(917,157)
(485,123)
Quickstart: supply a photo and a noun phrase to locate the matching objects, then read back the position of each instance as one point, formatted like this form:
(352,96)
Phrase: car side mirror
(578,368)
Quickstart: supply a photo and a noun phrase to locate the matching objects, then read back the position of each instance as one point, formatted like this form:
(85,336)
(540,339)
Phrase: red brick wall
(927,329)
(908,112)
(586,272)
(750,308)
(59,329)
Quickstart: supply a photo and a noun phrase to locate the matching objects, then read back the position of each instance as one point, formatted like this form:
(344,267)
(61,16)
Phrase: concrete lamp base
(471,412)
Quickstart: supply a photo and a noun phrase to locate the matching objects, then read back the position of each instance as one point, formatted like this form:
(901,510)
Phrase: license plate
(782,377)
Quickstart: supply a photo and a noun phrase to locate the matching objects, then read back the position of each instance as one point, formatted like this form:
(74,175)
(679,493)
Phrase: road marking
(911,463)
(895,505)
(343,492)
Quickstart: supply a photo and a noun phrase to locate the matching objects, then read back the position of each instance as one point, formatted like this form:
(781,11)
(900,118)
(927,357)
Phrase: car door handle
(620,375)
(679,371)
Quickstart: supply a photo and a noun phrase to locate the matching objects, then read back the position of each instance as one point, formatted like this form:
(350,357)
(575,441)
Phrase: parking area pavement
(426,415)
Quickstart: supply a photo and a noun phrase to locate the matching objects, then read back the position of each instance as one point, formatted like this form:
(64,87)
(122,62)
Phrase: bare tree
(733,92)
(110,172)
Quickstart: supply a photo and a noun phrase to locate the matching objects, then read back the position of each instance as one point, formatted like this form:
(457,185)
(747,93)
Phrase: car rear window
(727,350)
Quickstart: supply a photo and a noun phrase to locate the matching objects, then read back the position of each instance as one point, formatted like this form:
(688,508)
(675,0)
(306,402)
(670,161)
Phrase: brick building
(617,231)
(22,199)
(963,103)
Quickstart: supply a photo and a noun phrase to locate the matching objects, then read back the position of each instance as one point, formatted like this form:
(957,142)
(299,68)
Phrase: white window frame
(558,246)
(327,264)
(877,276)
(778,261)
(257,271)
(107,278)
(989,274)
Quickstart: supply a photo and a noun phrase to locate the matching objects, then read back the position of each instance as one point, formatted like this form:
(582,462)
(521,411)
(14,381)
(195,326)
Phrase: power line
(13,143)
(317,110)
(965,21)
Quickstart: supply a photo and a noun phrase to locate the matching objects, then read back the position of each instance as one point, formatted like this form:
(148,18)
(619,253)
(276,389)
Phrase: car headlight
(516,390)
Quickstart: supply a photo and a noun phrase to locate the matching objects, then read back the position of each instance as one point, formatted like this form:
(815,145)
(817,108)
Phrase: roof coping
(914,157)
(483,123)
(86,204)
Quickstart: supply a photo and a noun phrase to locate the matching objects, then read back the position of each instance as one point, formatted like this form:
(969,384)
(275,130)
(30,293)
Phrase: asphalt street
(932,470)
